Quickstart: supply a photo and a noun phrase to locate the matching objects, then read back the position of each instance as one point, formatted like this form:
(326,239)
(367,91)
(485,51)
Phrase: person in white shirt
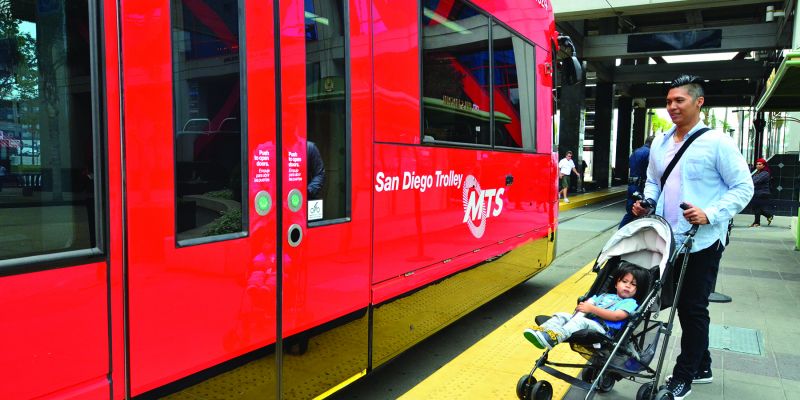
(565,167)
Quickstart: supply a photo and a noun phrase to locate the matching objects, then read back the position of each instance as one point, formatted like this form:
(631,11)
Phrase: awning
(783,87)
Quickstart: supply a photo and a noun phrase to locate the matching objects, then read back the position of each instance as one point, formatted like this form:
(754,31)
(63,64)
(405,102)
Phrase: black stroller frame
(599,374)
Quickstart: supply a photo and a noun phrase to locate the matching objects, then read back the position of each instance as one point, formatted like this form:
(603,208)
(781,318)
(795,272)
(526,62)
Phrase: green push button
(295,200)
(263,203)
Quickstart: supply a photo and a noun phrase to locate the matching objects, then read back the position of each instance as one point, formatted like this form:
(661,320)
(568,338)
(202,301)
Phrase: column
(624,119)
(604,106)
(572,107)
(639,126)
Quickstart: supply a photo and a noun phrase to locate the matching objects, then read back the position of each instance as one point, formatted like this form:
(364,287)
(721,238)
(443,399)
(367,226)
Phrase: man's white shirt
(565,166)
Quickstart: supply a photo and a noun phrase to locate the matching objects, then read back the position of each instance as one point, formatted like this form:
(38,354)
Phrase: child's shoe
(541,338)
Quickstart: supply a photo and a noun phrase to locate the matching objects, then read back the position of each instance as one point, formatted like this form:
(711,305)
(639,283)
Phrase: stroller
(646,242)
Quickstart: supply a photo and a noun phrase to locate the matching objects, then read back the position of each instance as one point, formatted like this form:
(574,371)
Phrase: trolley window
(48,130)
(514,100)
(455,73)
(327,105)
(209,139)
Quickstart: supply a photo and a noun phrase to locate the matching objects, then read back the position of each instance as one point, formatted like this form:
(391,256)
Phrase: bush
(224,194)
(229,222)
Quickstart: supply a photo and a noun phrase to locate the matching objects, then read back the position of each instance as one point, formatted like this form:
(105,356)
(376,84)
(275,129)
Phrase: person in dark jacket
(638,175)
(315,170)
(761,192)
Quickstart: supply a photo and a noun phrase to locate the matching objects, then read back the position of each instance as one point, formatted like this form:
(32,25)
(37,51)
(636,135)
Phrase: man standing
(565,167)
(713,180)
(637,177)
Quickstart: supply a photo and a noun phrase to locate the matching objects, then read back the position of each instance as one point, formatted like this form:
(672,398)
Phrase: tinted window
(47,156)
(327,110)
(514,90)
(455,78)
(208,118)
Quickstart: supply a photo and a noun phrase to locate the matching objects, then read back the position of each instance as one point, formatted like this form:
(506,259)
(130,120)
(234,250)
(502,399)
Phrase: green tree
(658,124)
(18,71)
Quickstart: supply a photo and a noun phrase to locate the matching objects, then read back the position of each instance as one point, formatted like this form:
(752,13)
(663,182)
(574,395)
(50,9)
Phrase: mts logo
(480,204)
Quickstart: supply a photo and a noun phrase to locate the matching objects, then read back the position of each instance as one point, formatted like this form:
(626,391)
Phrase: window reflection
(455,80)
(47,189)
(208,118)
(327,109)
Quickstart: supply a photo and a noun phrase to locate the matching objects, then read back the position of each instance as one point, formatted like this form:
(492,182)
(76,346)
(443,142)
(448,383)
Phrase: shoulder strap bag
(678,155)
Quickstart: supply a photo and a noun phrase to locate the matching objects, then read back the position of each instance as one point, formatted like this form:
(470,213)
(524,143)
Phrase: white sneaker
(566,200)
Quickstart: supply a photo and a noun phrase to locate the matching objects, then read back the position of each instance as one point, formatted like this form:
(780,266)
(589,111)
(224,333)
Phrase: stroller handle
(695,227)
(647,204)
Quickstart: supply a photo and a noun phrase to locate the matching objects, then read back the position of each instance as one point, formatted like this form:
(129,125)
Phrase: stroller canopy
(646,242)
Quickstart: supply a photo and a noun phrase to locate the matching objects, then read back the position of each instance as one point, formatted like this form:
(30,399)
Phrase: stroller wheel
(645,391)
(664,394)
(523,386)
(606,384)
(590,374)
(541,390)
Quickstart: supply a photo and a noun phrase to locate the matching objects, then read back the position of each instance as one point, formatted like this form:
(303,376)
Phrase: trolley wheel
(541,390)
(644,391)
(523,386)
(664,394)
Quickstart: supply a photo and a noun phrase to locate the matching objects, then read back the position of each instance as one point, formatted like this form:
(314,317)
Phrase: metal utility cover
(739,340)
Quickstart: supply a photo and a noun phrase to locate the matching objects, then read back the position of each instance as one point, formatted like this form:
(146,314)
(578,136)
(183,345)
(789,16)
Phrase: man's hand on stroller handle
(695,215)
(642,206)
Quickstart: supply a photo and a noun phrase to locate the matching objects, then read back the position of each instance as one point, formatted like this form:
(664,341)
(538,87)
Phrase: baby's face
(626,286)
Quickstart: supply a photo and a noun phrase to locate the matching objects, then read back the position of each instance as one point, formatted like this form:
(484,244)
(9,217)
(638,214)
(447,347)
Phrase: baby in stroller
(605,313)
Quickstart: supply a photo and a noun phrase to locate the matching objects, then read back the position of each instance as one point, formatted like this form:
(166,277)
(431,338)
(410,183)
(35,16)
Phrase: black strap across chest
(678,155)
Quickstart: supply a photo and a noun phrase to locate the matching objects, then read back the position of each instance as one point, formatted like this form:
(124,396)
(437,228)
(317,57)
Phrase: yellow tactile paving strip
(585,199)
(491,368)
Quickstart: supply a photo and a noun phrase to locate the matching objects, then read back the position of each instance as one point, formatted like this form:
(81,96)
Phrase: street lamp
(649,125)
(740,139)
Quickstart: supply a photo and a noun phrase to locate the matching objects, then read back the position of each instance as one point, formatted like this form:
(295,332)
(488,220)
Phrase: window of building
(514,91)
(48,130)
(455,74)
(327,107)
(209,139)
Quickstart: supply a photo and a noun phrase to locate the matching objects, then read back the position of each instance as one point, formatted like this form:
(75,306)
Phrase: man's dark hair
(694,83)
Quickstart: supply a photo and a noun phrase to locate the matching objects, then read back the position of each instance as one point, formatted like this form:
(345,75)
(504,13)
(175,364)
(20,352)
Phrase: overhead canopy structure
(783,87)
(629,42)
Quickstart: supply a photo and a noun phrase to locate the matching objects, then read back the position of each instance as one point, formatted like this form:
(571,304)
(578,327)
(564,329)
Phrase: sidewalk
(756,338)
(585,198)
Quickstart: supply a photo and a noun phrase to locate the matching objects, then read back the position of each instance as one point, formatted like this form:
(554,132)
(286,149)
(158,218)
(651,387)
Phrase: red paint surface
(54,332)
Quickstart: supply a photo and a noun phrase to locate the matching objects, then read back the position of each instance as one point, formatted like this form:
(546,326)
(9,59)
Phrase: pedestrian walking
(761,193)
(565,167)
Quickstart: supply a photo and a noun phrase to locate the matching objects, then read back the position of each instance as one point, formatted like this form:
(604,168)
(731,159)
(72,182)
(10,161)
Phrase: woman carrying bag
(761,192)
